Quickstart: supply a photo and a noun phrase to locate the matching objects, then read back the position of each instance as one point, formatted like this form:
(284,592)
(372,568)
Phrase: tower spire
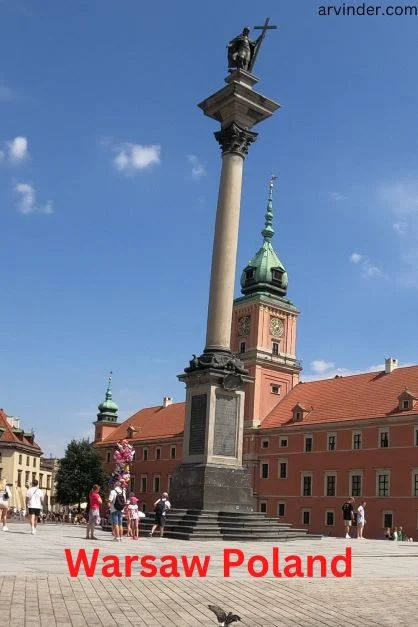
(108,410)
(268,230)
(108,390)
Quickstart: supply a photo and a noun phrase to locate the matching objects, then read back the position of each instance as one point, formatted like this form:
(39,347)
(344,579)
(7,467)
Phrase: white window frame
(351,474)
(307,437)
(281,440)
(262,443)
(146,484)
(306,509)
(382,471)
(384,430)
(387,511)
(331,435)
(330,473)
(261,470)
(361,440)
(302,476)
(329,510)
(282,460)
(278,507)
(414,472)
(158,448)
(273,387)
(154,477)
(173,446)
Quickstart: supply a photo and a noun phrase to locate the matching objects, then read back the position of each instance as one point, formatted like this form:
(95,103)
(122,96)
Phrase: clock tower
(264,328)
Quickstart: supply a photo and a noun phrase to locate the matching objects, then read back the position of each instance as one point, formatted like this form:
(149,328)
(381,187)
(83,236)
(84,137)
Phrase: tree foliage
(79,470)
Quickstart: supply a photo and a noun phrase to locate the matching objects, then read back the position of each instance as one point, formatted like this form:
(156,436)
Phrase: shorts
(360,521)
(94,517)
(34,510)
(348,522)
(4,505)
(117,518)
(160,520)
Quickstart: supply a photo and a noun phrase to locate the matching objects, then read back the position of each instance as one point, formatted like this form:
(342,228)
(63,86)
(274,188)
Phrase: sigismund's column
(211,476)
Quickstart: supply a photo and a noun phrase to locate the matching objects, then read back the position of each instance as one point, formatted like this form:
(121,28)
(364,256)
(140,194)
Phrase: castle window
(332,442)
(277,275)
(275,389)
(158,453)
(108,456)
(330,485)
(308,443)
(355,487)
(265,444)
(143,483)
(275,349)
(132,484)
(306,485)
(281,510)
(173,452)
(406,404)
(306,517)
(264,471)
(145,455)
(283,442)
(383,483)
(249,274)
(156,486)
(329,518)
(242,347)
(384,439)
(387,519)
(357,440)
(263,507)
(282,470)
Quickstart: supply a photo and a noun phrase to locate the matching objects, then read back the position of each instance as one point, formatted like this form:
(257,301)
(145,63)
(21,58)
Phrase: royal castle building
(308,445)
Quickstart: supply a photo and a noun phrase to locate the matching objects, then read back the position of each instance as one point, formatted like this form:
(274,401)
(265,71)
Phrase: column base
(212,487)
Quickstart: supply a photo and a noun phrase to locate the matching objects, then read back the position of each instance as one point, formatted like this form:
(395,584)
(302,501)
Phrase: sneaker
(32,531)
(150,534)
(115,539)
(5,528)
(347,536)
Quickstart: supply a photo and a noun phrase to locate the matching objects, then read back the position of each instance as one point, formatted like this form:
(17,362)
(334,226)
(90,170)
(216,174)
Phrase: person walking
(5,496)
(348,516)
(361,520)
(117,502)
(34,503)
(161,507)
(95,500)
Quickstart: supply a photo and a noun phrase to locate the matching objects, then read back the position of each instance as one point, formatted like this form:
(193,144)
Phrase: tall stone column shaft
(221,295)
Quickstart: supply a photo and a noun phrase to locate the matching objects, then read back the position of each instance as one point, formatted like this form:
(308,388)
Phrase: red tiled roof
(356,397)
(7,434)
(152,423)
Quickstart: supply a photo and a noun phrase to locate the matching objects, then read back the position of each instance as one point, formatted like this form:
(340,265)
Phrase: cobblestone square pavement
(36,589)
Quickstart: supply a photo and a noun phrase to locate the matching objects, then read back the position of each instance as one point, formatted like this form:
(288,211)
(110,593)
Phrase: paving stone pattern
(36,589)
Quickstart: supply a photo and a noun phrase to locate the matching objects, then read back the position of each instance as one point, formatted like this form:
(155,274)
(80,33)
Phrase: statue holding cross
(243,52)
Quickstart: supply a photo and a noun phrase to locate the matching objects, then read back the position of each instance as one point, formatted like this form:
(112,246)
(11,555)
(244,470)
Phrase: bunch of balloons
(123,455)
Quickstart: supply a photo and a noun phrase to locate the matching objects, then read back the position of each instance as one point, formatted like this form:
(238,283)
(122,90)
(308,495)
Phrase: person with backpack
(161,508)
(117,502)
(5,496)
(348,516)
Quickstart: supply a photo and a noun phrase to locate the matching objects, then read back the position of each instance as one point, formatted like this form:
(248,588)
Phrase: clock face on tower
(244,326)
(276,327)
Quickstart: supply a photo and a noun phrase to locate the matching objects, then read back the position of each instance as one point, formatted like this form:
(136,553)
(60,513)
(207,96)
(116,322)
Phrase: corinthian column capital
(234,139)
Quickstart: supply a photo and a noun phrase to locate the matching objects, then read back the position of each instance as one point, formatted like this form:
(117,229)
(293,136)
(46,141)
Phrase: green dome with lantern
(108,410)
(265,273)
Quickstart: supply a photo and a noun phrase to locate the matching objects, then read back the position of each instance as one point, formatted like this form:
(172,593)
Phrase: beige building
(47,477)
(20,459)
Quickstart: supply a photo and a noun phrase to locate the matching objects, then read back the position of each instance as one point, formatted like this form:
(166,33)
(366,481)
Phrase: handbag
(141,514)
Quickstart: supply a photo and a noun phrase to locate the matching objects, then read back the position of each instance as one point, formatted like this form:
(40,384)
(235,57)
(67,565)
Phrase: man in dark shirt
(348,516)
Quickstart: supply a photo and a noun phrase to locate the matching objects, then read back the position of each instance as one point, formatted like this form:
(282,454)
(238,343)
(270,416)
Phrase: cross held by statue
(266,26)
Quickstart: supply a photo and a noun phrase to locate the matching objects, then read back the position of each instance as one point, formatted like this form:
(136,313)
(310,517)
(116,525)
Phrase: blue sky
(108,186)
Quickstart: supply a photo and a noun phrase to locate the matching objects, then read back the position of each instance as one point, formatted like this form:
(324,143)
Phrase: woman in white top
(5,496)
(34,502)
(361,521)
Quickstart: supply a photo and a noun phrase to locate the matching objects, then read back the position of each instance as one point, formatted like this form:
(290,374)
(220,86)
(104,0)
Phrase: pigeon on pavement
(223,617)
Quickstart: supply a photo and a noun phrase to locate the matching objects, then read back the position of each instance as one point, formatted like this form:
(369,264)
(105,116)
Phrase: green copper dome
(108,410)
(265,272)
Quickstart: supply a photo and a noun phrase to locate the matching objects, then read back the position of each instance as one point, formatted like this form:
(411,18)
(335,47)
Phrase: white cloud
(26,202)
(355,257)
(399,228)
(133,157)
(198,169)
(336,196)
(368,269)
(7,94)
(27,197)
(333,372)
(401,197)
(18,149)
(320,366)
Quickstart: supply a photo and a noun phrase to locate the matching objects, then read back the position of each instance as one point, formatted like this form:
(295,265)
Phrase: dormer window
(299,412)
(276,275)
(406,400)
(249,274)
